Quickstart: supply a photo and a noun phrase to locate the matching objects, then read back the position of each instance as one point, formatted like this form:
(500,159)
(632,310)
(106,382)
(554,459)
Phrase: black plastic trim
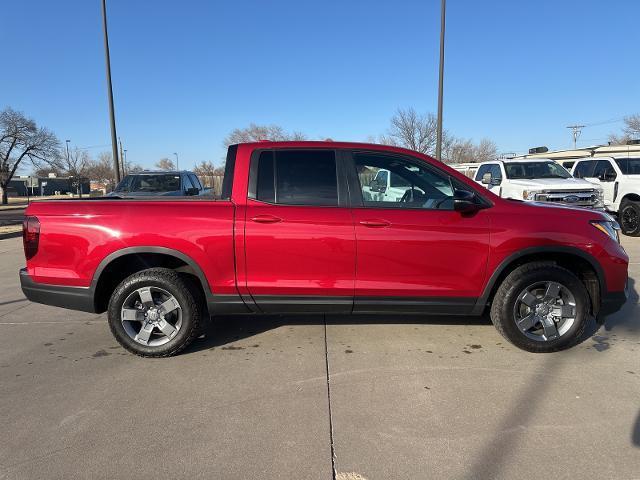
(216,303)
(303,304)
(553,249)
(73,298)
(416,305)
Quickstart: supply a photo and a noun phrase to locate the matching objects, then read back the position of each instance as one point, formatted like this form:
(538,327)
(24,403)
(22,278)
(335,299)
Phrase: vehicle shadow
(635,435)
(224,330)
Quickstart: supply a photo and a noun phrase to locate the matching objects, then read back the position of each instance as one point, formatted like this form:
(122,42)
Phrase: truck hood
(554,184)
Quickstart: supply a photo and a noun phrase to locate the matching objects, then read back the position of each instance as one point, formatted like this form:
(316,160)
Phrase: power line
(576,131)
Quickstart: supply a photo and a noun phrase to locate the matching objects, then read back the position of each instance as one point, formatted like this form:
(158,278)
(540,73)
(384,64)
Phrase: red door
(414,251)
(299,239)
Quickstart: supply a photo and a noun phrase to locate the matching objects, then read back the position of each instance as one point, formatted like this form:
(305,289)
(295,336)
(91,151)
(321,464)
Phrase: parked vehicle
(158,183)
(539,180)
(619,177)
(295,232)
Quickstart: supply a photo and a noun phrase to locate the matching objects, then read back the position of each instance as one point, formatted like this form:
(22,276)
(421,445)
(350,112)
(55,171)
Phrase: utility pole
(177,162)
(576,130)
(443,8)
(112,118)
(121,156)
(67,142)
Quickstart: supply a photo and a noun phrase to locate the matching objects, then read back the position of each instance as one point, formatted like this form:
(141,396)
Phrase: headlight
(530,194)
(599,198)
(609,228)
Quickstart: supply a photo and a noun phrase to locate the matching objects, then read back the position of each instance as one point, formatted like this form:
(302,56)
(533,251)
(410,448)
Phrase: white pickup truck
(619,177)
(540,180)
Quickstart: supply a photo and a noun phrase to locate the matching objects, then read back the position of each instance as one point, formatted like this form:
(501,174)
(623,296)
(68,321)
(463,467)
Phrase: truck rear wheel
(629,217)
(153,313)
(541,307)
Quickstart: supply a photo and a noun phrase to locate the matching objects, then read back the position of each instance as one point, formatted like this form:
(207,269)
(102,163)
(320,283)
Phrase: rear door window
(603,170)
(297,177)
(584,169)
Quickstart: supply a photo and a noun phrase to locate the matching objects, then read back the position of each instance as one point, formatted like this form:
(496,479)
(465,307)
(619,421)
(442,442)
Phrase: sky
(186,73)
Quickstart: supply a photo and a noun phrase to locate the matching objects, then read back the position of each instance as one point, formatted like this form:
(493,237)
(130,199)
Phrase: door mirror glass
(486,179)
(192,191)
(608,176)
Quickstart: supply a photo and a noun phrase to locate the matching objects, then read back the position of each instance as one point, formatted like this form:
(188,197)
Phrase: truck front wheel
(629,217)
(153,313)
(541,307)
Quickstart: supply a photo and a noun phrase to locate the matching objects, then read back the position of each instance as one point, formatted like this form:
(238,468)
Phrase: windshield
(531,170)
(149,183)
(629,166)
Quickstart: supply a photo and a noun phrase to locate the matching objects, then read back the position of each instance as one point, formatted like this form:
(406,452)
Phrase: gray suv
(158,183)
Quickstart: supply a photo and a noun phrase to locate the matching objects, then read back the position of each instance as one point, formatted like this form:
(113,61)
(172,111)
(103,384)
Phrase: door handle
(375,223)
(266,219)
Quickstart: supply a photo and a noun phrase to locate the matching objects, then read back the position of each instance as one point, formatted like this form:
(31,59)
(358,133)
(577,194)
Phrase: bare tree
(418,132)
(101,170)
(76,164)
(254,133)
(413,131)
(20,139)
(206,170)
(630,131)
(165,164)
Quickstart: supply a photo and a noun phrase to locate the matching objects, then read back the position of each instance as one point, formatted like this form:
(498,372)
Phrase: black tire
(175,285)
(504,304)
(629,218)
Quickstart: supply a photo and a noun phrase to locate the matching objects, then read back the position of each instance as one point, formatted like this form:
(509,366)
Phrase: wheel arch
(118,265)
(581,263)
(633,197)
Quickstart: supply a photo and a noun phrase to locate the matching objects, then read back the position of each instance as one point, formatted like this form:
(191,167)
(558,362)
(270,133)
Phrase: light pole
(67,142)
(177,162)
(440,82)
(124,162)
(112,118)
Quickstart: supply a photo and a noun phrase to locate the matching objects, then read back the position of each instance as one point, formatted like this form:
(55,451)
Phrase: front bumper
(74,298)
(612,302)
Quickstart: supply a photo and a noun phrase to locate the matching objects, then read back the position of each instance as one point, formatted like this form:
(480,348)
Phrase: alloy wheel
(545,311)
(151,316)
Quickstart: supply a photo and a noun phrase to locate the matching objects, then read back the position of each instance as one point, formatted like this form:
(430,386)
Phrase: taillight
(30,236)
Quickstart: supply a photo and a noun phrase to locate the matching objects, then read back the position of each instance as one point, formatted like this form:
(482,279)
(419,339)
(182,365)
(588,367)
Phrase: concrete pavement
(408,398)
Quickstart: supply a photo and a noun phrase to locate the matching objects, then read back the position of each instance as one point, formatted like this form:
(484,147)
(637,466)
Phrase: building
(24,185)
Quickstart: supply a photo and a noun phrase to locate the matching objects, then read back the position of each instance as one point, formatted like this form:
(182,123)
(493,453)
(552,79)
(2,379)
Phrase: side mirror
(192,191)
(486,179)
(465,201)
(608,176)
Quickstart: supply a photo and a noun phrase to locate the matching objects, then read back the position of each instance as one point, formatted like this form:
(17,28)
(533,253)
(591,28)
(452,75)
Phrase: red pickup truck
(306,227)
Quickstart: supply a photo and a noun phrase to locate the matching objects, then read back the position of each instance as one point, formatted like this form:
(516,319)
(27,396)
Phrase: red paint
(245,246)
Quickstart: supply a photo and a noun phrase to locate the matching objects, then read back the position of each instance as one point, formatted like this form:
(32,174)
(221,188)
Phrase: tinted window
(584,169)
(306,177)
(297,177)
(629,166)
(186,183)
(195,182)
(603,170)
(266,181)
(493,169)
(419,186)
(531,170)
(155,183)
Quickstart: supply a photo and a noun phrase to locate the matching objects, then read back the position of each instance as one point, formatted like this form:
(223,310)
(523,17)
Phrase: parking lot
(290,397)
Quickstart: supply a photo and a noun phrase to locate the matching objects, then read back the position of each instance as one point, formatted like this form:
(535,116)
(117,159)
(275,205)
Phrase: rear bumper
(74,298)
